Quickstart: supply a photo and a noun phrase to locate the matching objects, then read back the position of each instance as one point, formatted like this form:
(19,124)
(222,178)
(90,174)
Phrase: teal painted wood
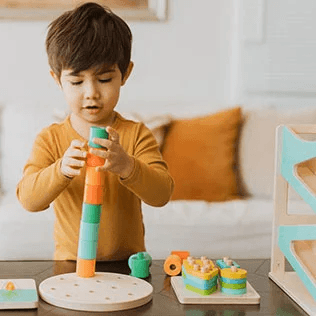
(87,249)
(286,235)
(91,213)
(26,295)
(233,292)
(294,151)
(223,265)
(89,231)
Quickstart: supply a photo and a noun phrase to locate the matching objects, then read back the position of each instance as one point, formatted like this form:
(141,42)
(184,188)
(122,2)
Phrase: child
(89,52)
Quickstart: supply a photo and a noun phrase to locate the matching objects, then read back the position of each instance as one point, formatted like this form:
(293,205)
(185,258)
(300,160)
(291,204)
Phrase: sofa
(223,165)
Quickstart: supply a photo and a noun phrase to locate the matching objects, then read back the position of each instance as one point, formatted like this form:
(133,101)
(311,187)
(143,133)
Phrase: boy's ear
(55,78)
(128,72)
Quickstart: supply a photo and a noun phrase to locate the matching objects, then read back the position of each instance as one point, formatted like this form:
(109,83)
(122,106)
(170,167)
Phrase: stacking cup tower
(91,209)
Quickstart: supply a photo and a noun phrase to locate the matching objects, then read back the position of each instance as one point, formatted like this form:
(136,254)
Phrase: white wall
(182,66)
(181,62)
(277,52)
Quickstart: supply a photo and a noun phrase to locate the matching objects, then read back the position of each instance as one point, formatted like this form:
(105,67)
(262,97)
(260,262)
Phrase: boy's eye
(76,83)
(105,80)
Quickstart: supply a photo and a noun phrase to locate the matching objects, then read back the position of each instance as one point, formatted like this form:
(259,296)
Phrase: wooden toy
(294,235)
(196,287)
(18,294)
(139,264)
(93,198)
(180,253)
(173,264)
(233,281)
(226,263)
(87,290)
(200,275)
(186,296)
(102,292)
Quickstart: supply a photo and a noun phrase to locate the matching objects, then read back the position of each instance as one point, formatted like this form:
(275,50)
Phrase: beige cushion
(257,145)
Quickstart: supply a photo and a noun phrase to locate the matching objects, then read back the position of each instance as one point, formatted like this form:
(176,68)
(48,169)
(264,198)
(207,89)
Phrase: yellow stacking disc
(229,274)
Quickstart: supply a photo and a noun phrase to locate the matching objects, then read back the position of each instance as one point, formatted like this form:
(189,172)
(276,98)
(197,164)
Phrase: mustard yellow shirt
(121,231)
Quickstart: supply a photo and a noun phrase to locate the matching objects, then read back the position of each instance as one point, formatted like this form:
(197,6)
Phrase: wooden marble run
(294,235)
(88,290)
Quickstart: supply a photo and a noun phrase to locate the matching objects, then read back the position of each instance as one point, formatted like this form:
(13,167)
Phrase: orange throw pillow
(201,156)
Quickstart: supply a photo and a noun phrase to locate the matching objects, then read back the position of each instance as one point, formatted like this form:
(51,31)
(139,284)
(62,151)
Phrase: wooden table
(273,300)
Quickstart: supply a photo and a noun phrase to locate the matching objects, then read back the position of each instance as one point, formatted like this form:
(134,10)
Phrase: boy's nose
(92,91)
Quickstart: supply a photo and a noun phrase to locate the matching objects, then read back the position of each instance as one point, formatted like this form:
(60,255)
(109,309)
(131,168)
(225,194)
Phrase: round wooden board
(103,292)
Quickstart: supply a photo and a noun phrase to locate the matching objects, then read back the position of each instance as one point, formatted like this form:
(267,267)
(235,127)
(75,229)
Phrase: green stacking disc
(233,286)
(91,213)
(97,132)
(201,292)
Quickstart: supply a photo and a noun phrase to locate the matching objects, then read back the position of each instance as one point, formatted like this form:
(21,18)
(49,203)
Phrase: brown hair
(89,36)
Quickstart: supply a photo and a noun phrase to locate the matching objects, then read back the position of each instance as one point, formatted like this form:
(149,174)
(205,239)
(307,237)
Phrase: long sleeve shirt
(121,230)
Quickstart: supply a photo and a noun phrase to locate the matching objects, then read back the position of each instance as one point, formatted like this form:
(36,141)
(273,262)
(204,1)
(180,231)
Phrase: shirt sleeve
(42,180)
(150,179)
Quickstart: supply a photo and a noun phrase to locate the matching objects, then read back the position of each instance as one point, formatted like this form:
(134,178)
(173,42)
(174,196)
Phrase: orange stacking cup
(94,160)
(85,267)
(94,177)
(93,194)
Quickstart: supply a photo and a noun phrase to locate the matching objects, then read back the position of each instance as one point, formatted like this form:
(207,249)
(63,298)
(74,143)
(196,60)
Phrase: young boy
(89,52)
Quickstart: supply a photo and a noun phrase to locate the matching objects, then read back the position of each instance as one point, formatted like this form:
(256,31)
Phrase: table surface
(273,300)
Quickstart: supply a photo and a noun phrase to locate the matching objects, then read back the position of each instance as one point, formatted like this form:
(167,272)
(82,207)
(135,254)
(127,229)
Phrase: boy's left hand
(116,159)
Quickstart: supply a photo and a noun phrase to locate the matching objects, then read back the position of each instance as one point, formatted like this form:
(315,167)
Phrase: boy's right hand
(73,159)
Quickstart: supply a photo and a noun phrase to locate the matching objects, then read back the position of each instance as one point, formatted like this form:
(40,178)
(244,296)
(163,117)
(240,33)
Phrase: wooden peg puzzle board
(24,296)
(189,297)
(103,292)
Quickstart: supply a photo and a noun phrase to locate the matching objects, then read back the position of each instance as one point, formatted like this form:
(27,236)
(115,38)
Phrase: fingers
(76,153)
(76,143)
(73,159)
(70,172)
(75,163)
(113,135)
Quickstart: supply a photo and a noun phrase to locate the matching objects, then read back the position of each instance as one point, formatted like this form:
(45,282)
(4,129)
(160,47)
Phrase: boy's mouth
(91,107)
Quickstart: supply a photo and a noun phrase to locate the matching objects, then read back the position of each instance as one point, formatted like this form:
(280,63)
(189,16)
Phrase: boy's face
(93,94)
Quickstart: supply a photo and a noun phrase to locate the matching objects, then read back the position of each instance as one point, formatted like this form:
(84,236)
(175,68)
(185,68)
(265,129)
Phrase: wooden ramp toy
(18,294)
(294,235)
